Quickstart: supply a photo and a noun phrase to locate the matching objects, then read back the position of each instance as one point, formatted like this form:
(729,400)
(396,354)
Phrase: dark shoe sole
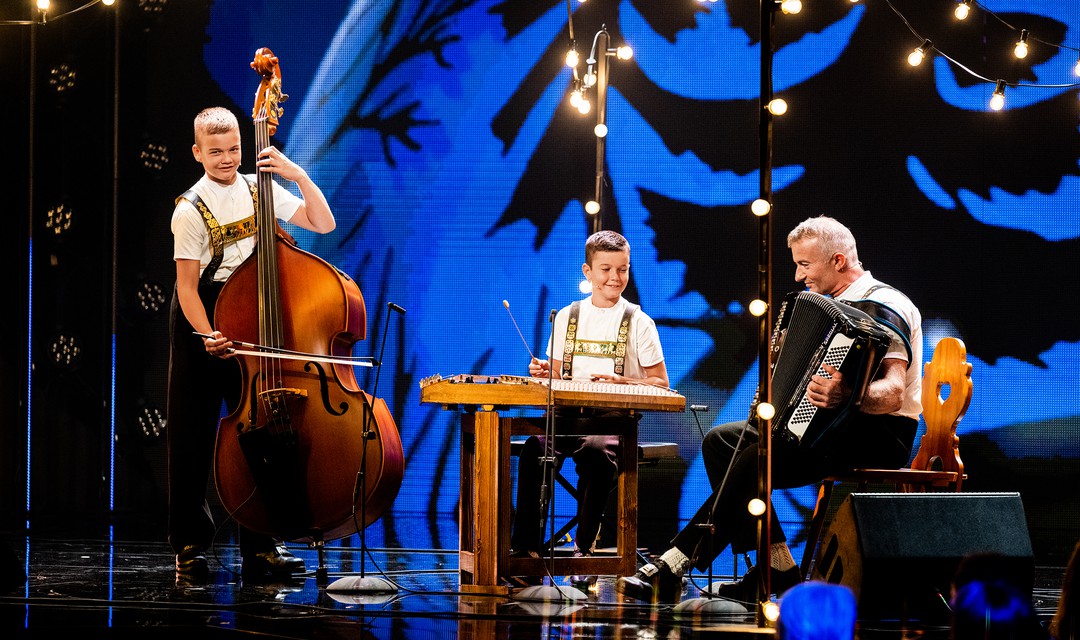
(634,587)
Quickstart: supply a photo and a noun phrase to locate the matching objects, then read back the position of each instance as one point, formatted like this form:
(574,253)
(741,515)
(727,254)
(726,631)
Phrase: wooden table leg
(481,454)
(628,500)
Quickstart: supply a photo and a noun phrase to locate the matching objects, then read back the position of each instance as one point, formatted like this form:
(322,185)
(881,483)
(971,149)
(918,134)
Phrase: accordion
(813,330)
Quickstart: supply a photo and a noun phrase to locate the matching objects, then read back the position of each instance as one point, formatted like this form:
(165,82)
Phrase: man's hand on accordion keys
(828,391)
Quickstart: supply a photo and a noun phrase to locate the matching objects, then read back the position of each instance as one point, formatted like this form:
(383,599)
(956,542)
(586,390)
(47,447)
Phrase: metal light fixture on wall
(154,157)
(58,219)
(62,78)
(151,297)
(65,351)
(151,421)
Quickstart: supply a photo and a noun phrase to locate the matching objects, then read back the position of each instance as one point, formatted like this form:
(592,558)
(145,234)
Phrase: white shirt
(598,330)
(229,204)
(899,303)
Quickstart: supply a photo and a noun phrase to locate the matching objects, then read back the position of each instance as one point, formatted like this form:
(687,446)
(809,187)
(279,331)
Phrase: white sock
(676,561)
(780,556)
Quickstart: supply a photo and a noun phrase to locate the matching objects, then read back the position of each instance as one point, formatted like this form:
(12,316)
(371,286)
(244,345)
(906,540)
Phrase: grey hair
(833,237)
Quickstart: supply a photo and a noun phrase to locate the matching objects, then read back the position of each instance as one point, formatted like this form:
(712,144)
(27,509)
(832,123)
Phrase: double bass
(305,450)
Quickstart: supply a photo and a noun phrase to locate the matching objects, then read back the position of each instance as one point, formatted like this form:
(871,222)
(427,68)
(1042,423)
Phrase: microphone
(699,407)
(391,305)
(507,305)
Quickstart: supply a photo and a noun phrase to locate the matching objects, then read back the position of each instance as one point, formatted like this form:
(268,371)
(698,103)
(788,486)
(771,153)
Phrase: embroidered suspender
(624,335)
(570,344)
(219,235)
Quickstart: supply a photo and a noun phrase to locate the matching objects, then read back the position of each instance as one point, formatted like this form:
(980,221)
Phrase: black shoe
(581,581)
(191,563)
(277,563)
(655,583)
(745,589)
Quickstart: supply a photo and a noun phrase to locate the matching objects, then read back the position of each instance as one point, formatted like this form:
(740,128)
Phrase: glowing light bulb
(575,98)
(1076,69)
(766,411)
(962,10)
(758,308)
(592,207)
(589,79)
(756,507)
(108,3)
(777,106)
(770,609)
(600,130)
(624,53)
(43,5)
(572,58)
(916,57)
(1021,49)
(760,207)
(791,6)
(584,286)
(584,106)
(997,101)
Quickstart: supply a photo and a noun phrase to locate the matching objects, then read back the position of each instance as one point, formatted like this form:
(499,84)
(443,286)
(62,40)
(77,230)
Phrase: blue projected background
(442,135)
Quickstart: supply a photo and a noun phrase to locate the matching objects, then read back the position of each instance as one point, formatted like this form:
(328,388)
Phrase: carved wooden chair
(937,465)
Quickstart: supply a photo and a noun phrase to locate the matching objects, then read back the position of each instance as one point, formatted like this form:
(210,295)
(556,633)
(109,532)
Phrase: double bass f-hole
(288,456)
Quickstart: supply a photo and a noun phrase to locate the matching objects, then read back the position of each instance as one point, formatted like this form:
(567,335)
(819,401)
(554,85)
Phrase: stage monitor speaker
(899,551)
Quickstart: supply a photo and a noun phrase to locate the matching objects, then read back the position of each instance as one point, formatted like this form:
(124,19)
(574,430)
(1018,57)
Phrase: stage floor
(104,589)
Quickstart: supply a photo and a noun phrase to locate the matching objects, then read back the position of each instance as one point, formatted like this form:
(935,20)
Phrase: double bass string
(268,335)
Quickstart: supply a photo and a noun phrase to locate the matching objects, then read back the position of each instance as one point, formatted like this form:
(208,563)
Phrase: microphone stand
(364,583)
(552,592)
(710,603)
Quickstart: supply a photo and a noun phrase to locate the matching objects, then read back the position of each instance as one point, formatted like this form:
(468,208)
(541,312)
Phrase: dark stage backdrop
(442,134)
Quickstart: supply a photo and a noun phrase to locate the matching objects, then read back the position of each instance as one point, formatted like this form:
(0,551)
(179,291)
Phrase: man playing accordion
(878,432)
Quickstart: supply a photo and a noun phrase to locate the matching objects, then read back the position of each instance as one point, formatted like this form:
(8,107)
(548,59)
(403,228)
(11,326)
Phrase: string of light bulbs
(962,12)
(1020,50)
(43,6)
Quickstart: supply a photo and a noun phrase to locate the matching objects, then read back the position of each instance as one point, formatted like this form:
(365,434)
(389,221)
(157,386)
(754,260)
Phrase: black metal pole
(603,40)
(765,294)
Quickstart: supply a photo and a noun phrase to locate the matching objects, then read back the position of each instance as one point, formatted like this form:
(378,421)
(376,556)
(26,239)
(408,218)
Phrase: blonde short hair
(215,120)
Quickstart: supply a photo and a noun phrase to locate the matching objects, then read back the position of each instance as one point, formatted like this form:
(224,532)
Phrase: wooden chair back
(939,448)
(937,465)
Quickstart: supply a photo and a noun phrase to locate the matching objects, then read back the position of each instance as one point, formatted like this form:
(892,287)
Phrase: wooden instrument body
(323,314)
(305,454)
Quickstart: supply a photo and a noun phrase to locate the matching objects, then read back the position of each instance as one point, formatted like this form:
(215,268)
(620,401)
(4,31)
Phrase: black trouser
(198,385)
(596,462)
(864,441)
